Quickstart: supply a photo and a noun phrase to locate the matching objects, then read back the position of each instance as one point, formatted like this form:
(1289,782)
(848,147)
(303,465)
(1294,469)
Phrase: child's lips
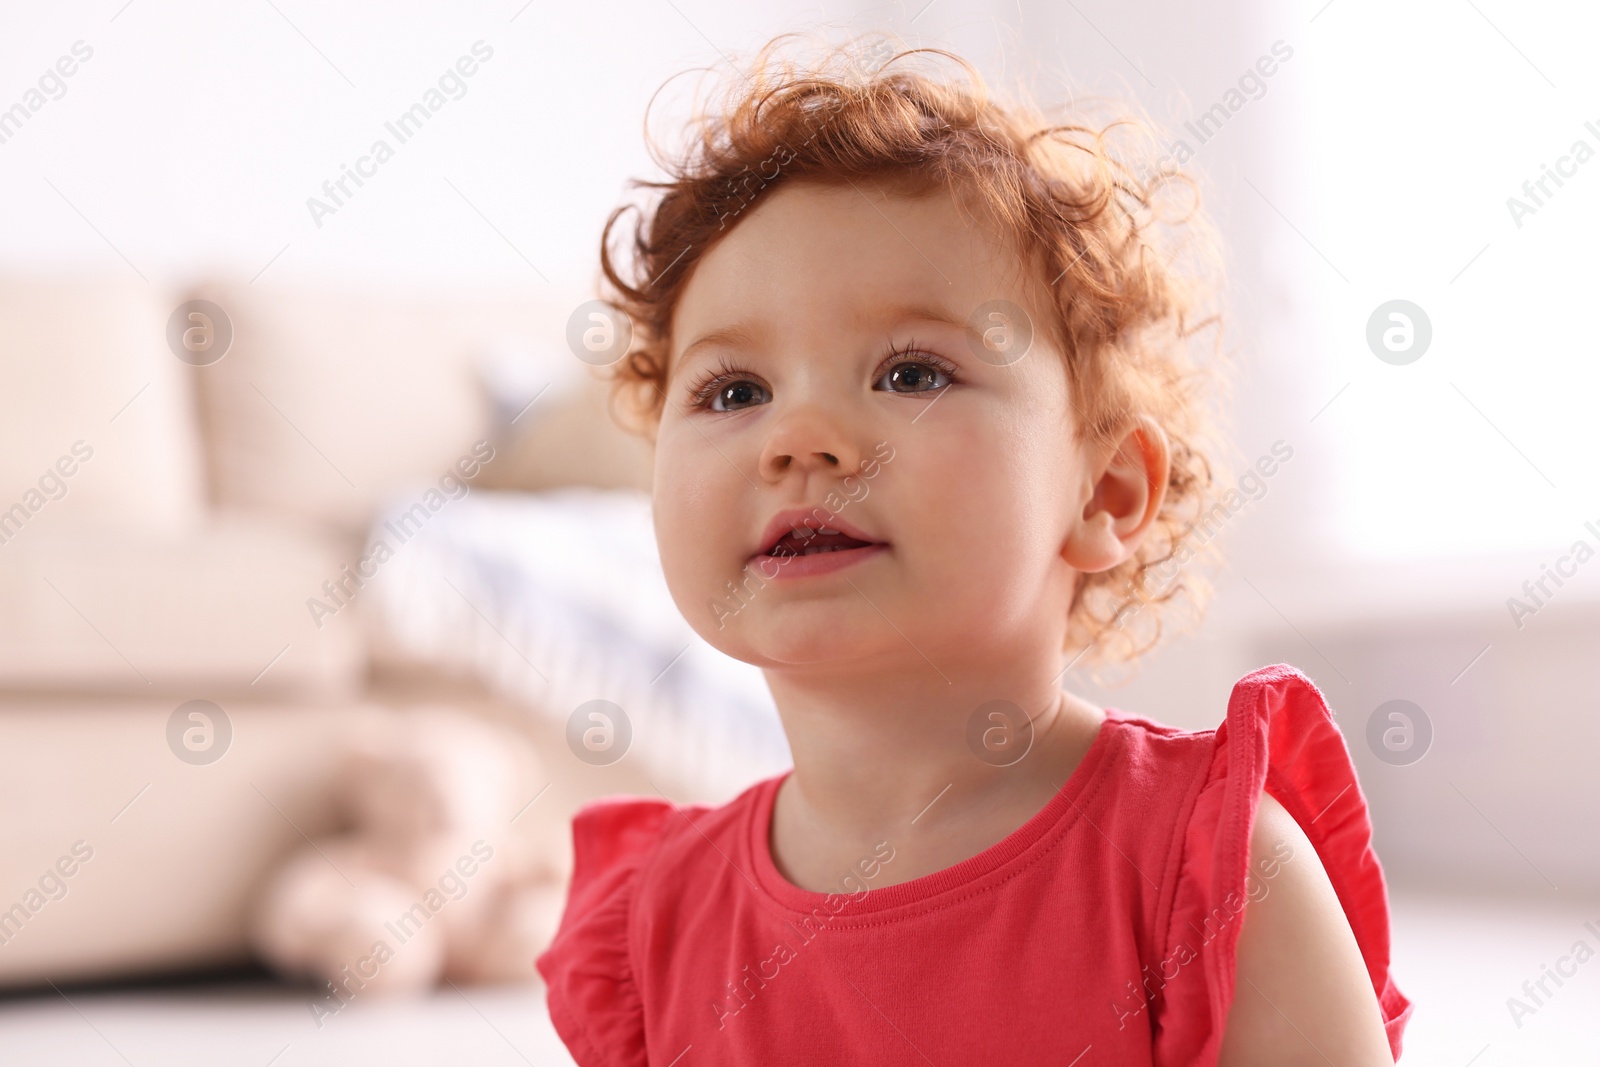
(787,526)
(809,542)
(780,566)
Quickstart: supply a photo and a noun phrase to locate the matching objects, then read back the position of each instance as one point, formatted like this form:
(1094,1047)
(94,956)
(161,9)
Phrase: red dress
(1107,922)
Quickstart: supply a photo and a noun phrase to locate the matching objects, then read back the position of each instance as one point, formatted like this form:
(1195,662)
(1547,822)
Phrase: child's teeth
(827,530)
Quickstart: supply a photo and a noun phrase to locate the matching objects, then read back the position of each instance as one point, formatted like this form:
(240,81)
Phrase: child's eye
(740,394)
(731,395)
(727,388)
(914,376)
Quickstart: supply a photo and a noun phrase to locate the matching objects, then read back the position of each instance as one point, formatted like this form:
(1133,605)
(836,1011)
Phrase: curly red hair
(1090,222)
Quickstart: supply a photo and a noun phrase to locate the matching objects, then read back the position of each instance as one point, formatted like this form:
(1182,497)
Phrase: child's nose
(811,439)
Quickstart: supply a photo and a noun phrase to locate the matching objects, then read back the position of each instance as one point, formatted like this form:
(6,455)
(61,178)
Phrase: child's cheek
(700,506)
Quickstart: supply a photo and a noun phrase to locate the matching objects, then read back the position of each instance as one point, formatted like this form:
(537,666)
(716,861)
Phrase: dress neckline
(973,873)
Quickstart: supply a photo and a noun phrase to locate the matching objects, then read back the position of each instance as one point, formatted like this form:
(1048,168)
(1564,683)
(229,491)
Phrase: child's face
(974,486)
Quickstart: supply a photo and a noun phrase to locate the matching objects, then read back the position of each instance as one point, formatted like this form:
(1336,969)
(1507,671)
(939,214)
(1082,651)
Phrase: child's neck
(895,767)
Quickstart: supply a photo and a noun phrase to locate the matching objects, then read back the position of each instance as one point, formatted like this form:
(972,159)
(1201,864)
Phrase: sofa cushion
(96,419)
(334,397)
(567,438)
(219,608)
(132,860)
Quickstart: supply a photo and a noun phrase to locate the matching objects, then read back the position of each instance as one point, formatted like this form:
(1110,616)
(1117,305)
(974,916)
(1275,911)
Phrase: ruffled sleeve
(1279,735)
(593,999)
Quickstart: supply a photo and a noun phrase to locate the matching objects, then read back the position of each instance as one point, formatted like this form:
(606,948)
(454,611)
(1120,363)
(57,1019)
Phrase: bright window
(1423,120)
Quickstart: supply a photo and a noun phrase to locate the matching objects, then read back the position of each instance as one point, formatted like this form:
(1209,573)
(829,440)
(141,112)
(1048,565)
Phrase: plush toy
(433,880)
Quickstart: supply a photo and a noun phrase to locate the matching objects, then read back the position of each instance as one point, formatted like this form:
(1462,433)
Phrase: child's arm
(1302,994)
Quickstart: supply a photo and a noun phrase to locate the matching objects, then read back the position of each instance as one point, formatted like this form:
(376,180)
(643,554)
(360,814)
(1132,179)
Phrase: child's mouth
(810,542)
(811,548)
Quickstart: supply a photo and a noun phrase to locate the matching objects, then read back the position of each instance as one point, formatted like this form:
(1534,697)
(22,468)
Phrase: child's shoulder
(628,845)
(1274,716)
(630,854)
(1277,750)
(1278,738)
(627,833)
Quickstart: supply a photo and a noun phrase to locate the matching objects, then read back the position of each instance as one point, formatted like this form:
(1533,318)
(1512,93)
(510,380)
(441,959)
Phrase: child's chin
(793,639)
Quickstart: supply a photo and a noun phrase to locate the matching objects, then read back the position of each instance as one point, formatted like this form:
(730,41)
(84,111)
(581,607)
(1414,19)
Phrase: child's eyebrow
(901,312)
(735,334)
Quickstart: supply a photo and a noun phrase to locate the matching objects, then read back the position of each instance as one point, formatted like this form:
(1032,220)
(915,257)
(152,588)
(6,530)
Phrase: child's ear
(1129,487)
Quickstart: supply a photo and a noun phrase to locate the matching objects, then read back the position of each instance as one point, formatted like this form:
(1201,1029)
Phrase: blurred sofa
(163,528)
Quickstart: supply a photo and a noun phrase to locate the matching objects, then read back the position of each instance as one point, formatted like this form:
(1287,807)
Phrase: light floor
(1458,959)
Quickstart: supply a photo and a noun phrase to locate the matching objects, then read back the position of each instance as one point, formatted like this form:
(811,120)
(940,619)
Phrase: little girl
(926,425)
